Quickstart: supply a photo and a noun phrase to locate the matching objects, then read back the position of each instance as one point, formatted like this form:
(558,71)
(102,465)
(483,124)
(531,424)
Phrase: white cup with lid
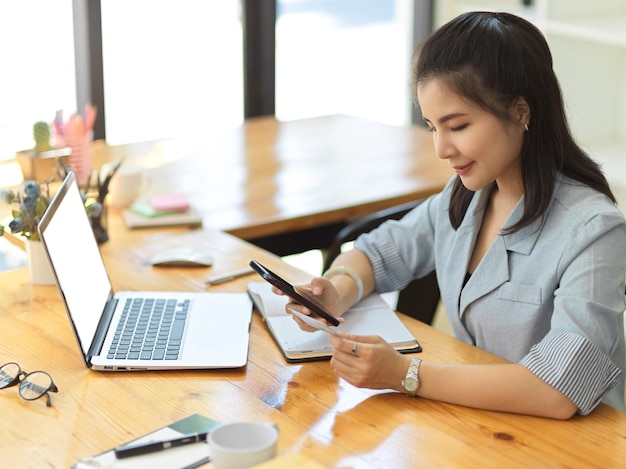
(240,445)
(125,184)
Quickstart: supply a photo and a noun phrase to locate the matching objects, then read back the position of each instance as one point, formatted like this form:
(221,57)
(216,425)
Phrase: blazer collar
(524,240)
(493,269)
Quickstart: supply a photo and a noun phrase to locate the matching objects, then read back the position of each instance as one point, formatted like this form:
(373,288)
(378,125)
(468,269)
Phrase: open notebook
(371,316)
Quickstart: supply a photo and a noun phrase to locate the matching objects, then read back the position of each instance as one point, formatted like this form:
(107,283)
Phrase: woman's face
(480,147)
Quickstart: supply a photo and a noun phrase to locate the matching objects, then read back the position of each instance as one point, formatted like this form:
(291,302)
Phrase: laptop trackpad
(219,326)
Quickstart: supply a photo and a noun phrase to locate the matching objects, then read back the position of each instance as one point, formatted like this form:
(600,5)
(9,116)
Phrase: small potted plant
(31,205)
(40,162)
(32,202)
(41,135)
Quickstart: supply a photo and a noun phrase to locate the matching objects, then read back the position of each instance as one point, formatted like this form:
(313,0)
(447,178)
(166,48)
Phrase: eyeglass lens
(32,385)
(8,373)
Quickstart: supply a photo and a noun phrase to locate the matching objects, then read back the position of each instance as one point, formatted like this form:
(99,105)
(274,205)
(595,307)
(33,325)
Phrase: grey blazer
(550,296)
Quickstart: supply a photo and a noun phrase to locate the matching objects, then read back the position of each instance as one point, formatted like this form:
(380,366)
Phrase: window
(174,67)
(347,57)
(38,72)
(171,68)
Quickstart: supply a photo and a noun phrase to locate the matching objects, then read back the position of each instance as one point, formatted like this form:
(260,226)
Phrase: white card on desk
(313,322)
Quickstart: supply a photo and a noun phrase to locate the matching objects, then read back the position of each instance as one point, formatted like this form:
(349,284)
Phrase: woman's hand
(367,361)
(323,292)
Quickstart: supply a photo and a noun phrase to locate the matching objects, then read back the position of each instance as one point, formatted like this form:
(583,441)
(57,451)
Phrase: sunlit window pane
(171,67)
(344,56)
(38,72)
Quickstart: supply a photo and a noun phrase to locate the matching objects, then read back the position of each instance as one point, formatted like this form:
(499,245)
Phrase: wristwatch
(411,381)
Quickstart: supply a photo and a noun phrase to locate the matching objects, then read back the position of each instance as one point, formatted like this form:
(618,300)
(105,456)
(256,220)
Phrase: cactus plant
(41,134)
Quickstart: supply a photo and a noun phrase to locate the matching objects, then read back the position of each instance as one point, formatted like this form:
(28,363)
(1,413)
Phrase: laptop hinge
(103,327)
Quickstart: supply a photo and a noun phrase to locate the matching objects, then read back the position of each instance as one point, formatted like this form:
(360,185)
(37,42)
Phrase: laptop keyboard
(150,329)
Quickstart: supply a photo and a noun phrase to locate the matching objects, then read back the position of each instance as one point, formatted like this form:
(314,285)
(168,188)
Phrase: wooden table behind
(318,415)
(270,178)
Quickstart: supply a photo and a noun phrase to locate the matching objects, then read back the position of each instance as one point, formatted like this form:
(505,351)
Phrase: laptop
(136,330)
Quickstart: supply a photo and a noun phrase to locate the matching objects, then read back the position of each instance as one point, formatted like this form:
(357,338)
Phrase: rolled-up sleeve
(400,251)
(582,355)
(575,366)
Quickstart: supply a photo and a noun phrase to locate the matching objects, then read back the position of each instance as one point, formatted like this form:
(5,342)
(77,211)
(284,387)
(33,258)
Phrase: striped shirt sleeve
(390,271)
(574,366)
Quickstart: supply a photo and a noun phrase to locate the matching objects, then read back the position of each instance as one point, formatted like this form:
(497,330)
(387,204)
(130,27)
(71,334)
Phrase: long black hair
(493,59)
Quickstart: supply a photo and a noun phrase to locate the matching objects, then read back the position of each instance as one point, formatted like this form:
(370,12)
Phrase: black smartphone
(288,289)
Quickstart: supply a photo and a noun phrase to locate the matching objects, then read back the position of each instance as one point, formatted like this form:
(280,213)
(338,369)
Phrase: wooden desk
(290,186)
(318,415)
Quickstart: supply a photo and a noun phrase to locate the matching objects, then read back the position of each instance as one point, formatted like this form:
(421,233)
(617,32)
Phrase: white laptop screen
(76,260)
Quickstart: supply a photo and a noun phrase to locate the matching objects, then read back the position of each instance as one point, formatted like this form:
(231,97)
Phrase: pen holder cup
(98,217)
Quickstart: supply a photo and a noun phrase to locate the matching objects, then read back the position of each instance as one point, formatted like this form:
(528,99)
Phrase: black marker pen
(126,451)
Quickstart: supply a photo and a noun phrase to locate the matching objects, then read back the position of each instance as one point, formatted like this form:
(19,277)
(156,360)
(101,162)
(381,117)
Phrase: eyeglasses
(32,385)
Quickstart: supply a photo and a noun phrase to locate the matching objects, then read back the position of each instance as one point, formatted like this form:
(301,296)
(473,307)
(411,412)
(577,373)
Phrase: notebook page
(268,303)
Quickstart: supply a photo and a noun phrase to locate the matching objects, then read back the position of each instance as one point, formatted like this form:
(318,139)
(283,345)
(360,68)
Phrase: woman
(528,246)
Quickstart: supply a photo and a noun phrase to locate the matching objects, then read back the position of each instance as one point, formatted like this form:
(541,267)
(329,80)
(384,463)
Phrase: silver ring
(354,348)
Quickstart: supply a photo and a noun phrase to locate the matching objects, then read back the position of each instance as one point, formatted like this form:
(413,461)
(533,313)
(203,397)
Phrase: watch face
(410,384)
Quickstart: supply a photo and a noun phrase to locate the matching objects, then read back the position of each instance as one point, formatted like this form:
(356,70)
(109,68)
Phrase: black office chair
(419,299)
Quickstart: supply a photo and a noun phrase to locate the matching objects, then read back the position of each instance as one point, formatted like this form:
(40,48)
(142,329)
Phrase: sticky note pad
(169,202)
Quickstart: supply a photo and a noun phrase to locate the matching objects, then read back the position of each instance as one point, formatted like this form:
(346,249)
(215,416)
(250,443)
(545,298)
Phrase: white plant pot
(39,267)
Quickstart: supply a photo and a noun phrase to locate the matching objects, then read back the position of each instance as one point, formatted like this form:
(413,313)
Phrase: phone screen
(288,289)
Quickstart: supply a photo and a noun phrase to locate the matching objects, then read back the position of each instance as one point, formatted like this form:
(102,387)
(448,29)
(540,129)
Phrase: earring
(526,127)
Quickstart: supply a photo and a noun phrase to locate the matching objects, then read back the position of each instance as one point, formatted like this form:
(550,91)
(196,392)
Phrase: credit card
(313,322)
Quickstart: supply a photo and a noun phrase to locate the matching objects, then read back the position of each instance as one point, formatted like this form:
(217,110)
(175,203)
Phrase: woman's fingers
(348,345)
(365,361)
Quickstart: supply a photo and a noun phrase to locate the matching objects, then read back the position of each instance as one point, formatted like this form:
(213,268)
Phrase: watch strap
(411,378)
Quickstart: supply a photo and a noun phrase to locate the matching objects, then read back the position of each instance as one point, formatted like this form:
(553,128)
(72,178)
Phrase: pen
(126,451)
(229,276)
